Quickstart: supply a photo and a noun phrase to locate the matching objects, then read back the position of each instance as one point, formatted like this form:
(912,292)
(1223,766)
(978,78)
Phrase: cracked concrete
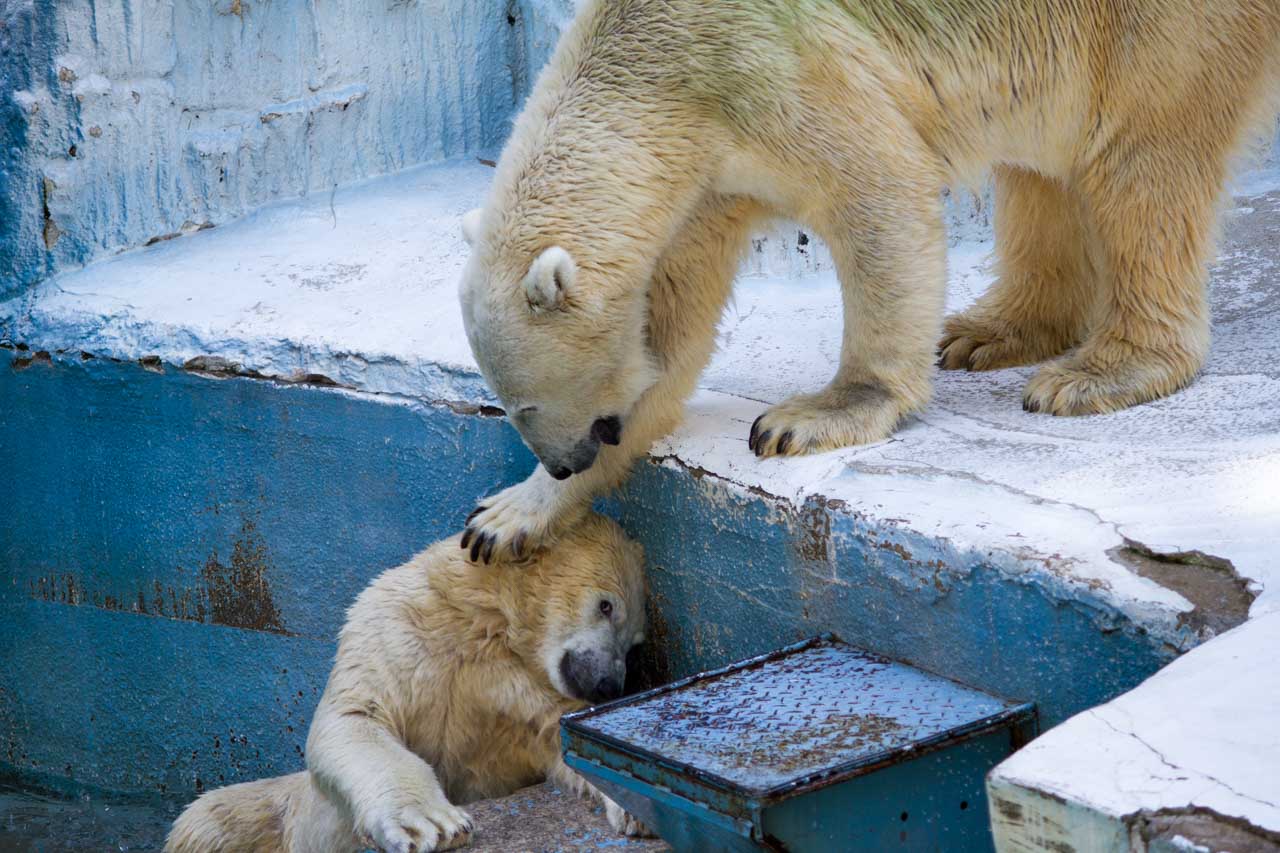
(1198,738)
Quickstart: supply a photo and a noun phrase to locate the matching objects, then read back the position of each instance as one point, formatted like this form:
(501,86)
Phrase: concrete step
(546,819)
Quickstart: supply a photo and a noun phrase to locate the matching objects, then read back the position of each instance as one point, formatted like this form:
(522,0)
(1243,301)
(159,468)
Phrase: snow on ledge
(360,286)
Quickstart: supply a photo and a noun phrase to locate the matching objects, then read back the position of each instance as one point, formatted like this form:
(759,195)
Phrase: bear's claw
(754,437)
(813,423)
(511,525)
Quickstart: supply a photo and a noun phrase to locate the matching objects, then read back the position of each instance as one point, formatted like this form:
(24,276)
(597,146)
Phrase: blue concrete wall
(179,551)
(130,121)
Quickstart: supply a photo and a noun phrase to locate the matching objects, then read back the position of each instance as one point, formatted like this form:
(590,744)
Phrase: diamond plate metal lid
(815,710)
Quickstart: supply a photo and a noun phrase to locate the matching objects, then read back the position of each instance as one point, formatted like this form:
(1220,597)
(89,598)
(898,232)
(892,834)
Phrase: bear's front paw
(624,823)
(834,418)
(518,521)
(421,827)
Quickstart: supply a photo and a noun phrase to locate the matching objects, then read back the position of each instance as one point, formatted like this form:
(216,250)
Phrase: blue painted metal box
(816,747)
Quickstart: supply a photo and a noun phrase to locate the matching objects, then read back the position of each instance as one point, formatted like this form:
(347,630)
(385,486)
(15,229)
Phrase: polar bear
(448,686)
(663,131)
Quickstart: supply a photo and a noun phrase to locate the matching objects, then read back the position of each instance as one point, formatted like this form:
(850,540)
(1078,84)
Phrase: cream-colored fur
(664,130)
(447,688)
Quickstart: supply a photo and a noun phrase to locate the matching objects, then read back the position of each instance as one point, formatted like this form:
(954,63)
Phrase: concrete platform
(537,819)
(1062,561)
(545,819)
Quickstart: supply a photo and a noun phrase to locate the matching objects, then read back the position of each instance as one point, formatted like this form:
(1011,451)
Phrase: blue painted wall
(179,550)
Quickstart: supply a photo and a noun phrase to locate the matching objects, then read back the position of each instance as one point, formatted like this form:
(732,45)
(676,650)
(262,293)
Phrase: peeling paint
(236,593)
(1202,827)
(239,593)
(1221,597)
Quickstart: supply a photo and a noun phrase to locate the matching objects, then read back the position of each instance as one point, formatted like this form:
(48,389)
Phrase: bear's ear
(471,225)
(549,280)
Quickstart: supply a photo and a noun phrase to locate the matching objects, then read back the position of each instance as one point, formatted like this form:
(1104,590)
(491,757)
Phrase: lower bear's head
(580,609)
(565,349)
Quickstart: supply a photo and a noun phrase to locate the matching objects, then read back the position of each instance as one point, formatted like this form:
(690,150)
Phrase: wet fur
(438,696)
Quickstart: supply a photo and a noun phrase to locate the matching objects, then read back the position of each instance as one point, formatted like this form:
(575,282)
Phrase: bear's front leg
(394,799)
(891,259)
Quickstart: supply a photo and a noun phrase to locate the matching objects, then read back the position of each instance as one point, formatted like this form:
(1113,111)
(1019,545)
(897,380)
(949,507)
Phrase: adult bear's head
(561,341)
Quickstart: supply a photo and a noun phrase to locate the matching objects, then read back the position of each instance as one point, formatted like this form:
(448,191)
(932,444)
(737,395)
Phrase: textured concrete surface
(537,819)
(545,819)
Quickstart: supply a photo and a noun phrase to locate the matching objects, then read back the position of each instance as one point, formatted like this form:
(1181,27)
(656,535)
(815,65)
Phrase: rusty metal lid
(806,715)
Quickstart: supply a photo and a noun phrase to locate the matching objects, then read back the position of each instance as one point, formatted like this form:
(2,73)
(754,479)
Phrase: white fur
(446,689)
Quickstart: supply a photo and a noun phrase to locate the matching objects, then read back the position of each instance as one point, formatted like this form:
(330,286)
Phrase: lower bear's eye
(606,608)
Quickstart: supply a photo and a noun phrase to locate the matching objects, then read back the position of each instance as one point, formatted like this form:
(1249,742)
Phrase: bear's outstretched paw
(811,423)
(624,823)
(975,343)
(421,827)
(517,521)
(1106,379)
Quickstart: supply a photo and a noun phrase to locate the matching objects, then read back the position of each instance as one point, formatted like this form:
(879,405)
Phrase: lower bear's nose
(606,689)
(560,472)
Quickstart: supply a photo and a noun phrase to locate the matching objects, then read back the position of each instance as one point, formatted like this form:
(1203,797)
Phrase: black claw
(784,442)
(751,439)
(517,545)
(466,537)
(1030,406)
(489,542)
(476,545)
(763,441)
(475,512)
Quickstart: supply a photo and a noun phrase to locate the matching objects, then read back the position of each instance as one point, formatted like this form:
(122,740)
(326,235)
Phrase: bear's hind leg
(891,260)
(1039,306)
(1151,199)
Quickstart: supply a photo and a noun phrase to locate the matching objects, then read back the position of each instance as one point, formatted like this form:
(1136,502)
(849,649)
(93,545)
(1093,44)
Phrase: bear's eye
(606,608)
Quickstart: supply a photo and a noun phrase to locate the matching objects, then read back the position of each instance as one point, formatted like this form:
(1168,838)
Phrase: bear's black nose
(606,688)
(560,472)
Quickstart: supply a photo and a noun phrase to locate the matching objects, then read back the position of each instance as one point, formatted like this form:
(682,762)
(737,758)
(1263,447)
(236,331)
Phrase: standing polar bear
(448,687)
(663,131)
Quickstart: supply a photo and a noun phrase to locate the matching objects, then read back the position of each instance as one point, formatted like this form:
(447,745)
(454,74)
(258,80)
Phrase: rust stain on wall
(239,593)
(236,593)
(813,523)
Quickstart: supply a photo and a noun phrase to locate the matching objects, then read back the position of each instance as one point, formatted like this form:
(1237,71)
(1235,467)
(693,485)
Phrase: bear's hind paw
(623,823)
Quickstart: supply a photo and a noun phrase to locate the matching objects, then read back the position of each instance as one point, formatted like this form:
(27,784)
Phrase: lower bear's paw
(421,828)
(624,823)
(516,522)
(830,419)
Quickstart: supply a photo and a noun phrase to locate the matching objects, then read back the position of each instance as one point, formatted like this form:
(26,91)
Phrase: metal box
(816,747)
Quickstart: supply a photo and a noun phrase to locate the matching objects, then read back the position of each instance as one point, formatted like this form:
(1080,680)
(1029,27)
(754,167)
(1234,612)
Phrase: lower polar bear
(448,687)
(664,131)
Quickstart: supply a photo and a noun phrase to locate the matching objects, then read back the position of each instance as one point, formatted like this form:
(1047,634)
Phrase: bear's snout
(592,676)
(581,457)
